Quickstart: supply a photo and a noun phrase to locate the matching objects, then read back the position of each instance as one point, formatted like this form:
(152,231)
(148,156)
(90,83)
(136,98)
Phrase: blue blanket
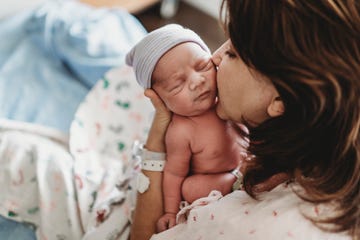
(51,56)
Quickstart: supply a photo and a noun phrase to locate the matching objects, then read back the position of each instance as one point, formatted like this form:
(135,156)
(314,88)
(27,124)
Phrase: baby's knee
(198,186)
(189,189)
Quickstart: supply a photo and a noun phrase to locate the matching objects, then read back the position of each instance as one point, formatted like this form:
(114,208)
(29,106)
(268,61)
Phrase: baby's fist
(168,220)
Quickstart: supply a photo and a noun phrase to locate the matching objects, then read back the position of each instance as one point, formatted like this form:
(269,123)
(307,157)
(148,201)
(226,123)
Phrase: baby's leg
(200,185)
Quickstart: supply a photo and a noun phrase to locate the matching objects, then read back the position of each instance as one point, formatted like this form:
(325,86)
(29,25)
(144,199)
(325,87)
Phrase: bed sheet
(51,56)
(86,191)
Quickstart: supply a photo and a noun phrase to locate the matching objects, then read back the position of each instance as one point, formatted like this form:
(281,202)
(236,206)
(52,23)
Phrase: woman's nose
(219,53)
(216,57)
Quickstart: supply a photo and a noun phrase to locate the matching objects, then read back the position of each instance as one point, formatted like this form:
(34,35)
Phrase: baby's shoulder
(180,124)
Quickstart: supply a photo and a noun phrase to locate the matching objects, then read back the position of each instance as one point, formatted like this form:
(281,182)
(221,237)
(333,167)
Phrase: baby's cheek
(212,78)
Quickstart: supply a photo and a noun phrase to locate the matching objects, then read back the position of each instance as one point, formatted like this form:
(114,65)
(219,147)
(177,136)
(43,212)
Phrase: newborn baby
(201,149)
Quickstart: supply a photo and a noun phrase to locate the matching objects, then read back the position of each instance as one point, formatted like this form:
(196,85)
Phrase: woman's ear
(276,107)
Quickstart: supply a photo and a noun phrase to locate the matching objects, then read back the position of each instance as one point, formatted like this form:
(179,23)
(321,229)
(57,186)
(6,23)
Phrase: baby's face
(185,78)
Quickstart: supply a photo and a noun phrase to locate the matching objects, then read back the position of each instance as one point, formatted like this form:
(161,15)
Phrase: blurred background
(199,15)
(53,52)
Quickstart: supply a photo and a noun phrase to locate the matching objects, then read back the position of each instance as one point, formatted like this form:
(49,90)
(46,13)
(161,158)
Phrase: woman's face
(244,94)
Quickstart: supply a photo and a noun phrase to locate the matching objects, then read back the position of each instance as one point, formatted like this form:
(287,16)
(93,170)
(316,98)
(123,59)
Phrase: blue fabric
(51,56)
(11,230)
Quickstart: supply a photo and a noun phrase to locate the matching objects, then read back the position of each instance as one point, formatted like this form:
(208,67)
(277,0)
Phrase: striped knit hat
(144,55)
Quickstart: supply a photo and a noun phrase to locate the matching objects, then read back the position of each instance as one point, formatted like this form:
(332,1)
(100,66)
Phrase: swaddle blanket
(37,184)
(88,193)
(113,116)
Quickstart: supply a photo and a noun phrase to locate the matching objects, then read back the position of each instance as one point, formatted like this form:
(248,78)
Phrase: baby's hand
(168,220)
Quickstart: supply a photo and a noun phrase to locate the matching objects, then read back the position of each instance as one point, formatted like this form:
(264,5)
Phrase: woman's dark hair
(310,50)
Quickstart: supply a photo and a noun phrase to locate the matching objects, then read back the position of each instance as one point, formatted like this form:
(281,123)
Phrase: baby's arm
(178,156)
(149,205)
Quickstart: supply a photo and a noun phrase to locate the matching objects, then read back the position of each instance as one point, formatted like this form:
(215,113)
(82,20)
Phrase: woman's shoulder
(278,214)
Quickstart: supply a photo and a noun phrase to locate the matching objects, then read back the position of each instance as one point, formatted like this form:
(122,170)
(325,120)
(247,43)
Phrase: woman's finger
(162,113)
(155,100)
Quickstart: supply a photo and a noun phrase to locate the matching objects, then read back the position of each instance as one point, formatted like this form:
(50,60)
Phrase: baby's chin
(194,111)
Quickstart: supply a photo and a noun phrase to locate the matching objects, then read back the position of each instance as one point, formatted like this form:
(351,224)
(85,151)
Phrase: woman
(291,73)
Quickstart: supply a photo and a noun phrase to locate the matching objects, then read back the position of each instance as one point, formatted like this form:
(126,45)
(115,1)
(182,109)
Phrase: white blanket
(36,178)
(85,192)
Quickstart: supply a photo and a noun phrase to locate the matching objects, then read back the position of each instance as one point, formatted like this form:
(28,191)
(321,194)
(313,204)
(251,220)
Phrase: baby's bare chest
(214,148)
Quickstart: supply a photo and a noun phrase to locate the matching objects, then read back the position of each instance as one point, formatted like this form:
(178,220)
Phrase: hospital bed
(70,111)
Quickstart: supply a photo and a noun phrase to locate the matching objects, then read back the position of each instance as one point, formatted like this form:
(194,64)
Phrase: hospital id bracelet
(238,184)
(153,165)
(149,155)
(150,161)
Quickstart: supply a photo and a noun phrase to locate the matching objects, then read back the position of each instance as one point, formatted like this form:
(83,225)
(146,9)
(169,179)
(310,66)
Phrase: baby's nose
(196,81)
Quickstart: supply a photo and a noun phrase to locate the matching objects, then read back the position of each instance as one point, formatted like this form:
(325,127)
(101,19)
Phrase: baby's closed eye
(176,85)
(204,65)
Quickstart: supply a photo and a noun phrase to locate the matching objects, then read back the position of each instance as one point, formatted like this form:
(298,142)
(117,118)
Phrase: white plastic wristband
(149,161)
(153,165)
(142,183)
(152,161)
(149,155)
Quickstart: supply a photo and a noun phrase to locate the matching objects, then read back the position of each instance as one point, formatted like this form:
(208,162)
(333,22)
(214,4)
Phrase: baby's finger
(172,223)
(161,226)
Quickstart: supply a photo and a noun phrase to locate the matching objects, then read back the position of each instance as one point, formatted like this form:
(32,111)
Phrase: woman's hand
(162,118)
(158,103)
(162,112)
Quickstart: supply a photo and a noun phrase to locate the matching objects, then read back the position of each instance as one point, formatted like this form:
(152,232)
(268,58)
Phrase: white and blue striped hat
(144,55)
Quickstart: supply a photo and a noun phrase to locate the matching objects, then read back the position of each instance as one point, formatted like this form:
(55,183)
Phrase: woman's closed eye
(230,54)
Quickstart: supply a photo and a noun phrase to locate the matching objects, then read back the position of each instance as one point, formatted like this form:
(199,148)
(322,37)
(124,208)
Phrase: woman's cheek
(220,111)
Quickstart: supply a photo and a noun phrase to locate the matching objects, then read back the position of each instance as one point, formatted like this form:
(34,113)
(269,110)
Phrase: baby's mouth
(203,96)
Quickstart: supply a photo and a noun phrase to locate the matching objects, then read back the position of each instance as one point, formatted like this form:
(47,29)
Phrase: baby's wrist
(170,213)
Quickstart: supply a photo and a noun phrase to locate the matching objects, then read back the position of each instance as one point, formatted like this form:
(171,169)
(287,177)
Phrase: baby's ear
(276,107)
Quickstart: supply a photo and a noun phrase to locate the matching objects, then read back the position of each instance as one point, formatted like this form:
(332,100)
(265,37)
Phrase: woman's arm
(149,205)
